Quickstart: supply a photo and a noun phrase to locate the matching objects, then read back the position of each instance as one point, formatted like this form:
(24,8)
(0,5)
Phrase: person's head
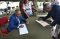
(48,7)
(18,12)
(25,1)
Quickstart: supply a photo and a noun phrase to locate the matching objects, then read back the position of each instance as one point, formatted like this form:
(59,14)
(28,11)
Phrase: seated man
(14,21)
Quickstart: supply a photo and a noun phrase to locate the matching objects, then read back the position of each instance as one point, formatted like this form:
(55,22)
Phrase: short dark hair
(17,10)
(45,4)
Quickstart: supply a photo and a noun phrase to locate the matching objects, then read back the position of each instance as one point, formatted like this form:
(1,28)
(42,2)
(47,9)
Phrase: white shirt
(28,8)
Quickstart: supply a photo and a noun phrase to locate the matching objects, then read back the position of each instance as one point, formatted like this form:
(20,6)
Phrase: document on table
(41,15)
(23,30)
(43,23)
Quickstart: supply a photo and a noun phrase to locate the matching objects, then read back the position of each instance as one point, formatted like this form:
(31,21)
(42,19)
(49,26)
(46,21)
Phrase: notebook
(43,23)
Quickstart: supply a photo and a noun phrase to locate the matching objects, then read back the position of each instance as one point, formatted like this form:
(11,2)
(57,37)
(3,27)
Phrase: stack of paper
(23,30)
(43,23)
(41,15)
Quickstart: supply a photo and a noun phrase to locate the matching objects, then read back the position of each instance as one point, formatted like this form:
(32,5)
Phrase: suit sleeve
(56,20)
(47,16)
(11,25)
(11,22)
(56,8)
(23,19)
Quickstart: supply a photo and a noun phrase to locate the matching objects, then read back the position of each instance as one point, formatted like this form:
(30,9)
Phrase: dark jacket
(55,14)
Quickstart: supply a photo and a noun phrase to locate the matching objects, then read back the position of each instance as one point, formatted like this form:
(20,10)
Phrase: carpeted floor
(36,31)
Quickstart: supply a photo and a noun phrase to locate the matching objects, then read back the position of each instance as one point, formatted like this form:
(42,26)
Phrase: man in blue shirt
(54,12)
(14,21)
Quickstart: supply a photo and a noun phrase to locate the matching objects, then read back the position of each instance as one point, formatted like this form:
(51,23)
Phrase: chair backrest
(3,20)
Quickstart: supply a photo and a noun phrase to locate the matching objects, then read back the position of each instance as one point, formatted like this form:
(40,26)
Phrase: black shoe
(53,37)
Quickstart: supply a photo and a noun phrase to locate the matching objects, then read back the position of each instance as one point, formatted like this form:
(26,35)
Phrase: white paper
(43,23)
(41,15)
(23,30)
(45,16)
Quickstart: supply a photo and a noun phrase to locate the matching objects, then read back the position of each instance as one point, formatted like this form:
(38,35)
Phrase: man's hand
(41,18)
(21,26)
